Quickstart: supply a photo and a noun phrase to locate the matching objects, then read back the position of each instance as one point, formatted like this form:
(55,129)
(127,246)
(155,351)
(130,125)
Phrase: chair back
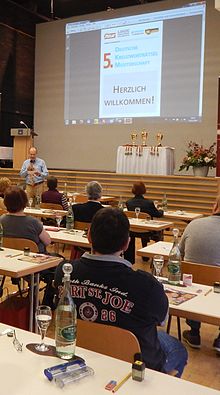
(81,198)
(51,206)
(81,225)
(3,211)
(131,214)
(202,274)
(18,243)
(108,340)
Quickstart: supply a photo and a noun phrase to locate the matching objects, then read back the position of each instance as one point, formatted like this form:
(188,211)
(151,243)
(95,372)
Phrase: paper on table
(177,297)
(41,258)
(52,228)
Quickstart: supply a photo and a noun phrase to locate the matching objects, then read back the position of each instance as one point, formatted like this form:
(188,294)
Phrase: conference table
(203,307)
(13,263)
(158,248)
(180,215)
(78,238)
(44,213)
(22,373)
(143,225)
(145,160)
(72,237)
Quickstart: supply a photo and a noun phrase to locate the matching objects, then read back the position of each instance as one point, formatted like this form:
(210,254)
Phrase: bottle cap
(67,270)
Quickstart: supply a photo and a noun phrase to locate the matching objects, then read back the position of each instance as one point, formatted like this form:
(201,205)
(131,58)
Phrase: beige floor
(203,365)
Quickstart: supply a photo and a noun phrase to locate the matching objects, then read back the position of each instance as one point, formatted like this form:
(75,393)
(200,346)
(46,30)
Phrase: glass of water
(137,211)
(58,219)
(43,317)
(30,201)
(158,262)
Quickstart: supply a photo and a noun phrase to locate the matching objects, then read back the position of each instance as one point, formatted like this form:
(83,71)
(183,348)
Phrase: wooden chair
(108,340)
(81,225)
(51,206)
(131,214)
(17,243)
(81,198)
(202,274)
(2,211)
(77,252)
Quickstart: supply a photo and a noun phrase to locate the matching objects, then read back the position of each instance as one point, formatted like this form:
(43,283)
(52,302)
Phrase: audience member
(4,184)
(107,290)
(16,224)
(35,171)
(84,212)
(146,206)
(200,243)
(53,195)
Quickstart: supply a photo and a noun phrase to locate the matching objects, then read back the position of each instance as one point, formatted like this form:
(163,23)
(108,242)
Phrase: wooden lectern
(23,140)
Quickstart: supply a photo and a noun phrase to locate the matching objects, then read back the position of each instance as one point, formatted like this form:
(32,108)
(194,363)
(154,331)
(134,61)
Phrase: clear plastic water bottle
(37,201)
(164,202)
(65,327)
(1,236)
(174,262)
(70,217)
(121,203)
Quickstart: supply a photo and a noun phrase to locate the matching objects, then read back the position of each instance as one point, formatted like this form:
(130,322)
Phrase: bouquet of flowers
(197,156)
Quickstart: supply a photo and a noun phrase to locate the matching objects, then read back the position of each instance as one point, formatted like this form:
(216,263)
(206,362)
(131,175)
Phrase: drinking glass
(30,201)
(158,262)
(137,211)
(43,317)
(58,219)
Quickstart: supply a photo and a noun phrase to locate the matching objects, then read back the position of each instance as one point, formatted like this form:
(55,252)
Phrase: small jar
(26,251)
(138,370)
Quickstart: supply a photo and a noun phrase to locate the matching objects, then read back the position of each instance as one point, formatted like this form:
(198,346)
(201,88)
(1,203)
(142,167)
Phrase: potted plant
(199,158)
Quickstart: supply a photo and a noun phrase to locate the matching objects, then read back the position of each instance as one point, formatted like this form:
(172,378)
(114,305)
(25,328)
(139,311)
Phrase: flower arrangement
(197,156)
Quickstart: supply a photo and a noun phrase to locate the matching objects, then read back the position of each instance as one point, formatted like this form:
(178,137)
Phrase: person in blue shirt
(34,170)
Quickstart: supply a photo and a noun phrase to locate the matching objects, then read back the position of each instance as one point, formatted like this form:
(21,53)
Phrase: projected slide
(130,72)
(147,66)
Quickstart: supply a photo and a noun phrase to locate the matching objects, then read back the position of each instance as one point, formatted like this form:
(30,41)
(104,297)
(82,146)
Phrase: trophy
(144,138)
(133,138)
(159,138)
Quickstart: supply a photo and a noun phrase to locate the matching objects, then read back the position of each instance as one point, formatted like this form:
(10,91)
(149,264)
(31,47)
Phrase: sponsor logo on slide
(108,36)
(123,33)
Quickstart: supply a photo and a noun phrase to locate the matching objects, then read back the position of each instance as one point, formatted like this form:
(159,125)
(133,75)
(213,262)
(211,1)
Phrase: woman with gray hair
(84,212)
(93,190)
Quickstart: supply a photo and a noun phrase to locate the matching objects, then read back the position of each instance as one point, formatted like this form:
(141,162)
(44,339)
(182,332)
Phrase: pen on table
(208,292)
(121,382)
(13,256)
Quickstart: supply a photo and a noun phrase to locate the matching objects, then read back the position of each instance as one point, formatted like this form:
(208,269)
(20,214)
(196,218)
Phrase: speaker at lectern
(23,140)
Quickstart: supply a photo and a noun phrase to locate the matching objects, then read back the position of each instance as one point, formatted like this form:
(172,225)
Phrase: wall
(94,147)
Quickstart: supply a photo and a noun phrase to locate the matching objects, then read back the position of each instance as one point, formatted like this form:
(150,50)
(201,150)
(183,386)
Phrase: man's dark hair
(138,188)
(15,199)
(52,183)
(109,230)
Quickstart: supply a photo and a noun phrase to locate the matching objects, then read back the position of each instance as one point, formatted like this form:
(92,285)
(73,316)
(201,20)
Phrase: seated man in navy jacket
(84,212)
(107,290)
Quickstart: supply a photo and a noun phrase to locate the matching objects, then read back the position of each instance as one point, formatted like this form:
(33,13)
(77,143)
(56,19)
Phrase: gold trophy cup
(144,138)
(159,138)
(134,138)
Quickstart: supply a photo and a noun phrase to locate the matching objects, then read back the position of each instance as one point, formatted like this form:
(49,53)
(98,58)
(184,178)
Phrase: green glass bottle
(65,327)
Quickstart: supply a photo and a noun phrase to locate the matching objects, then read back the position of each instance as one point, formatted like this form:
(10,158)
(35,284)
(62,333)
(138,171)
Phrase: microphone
(23,123)
(32,131)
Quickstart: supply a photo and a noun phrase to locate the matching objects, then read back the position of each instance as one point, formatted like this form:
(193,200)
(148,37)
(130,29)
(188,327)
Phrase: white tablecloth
(158,161)
(6,153)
